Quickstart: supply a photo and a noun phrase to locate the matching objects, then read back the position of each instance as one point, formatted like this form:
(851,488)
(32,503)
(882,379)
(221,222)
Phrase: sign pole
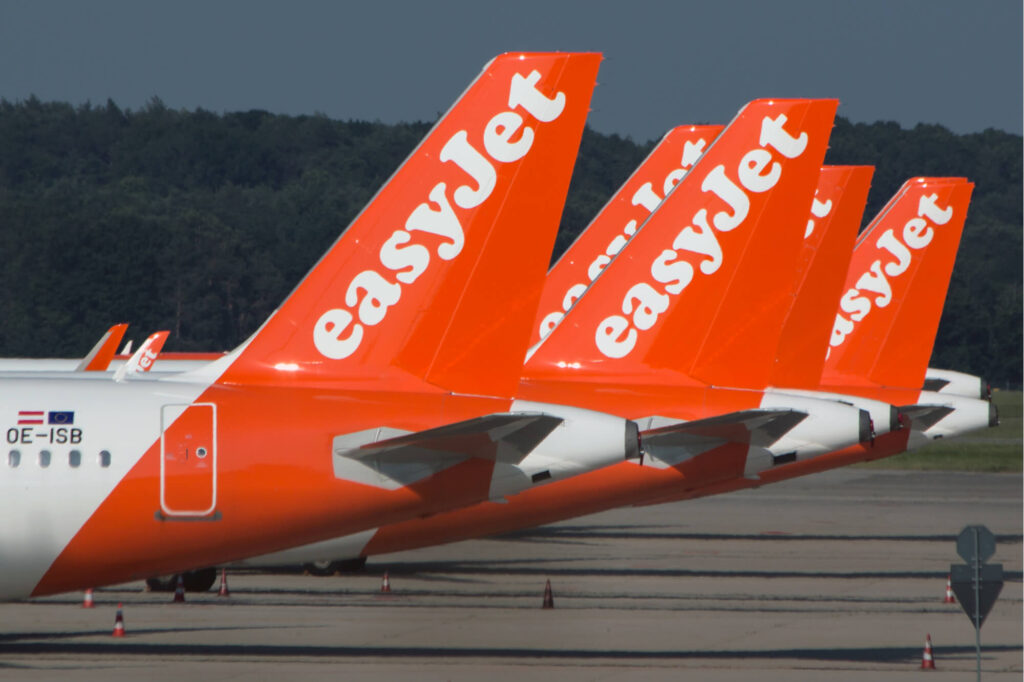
(977,601)
(975,583)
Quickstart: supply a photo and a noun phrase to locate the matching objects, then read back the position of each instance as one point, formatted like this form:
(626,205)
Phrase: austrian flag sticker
(31,417)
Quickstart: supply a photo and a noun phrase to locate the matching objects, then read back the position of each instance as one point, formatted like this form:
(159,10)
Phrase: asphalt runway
(837,576)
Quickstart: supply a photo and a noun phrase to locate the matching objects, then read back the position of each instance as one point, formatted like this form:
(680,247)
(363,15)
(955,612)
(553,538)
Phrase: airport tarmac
(837,576)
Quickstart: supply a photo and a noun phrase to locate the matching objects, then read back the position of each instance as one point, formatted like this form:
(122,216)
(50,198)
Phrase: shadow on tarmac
(625,532)
(853,654)
(6,638)
(536,567)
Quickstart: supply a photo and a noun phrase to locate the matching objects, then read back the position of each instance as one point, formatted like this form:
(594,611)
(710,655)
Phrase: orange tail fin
(613,226)
(828,246)
(894,291)
(702,287)
(98,359)
(438,278)
(142,360)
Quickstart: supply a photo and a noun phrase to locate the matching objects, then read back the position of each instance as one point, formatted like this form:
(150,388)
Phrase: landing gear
(199,580)
(321,568)
(326,567)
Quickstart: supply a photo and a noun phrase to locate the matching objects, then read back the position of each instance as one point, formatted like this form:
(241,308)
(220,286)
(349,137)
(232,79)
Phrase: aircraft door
(188,461)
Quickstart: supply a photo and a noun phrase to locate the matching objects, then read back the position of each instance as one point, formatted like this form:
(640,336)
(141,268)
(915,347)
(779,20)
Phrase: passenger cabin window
(104,458)
(13,458)
(75,458)
(44,458)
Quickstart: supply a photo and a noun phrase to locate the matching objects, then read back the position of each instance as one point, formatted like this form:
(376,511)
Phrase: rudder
(438,278)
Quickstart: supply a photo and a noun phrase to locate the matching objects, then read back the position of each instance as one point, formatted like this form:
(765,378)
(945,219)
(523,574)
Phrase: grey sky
(957,63)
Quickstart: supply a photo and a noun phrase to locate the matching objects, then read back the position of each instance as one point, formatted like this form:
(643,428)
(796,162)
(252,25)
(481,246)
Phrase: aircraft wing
(502,437)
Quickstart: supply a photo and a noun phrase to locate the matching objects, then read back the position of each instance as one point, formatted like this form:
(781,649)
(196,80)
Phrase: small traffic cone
(87,600)
(927,660)
(118,623)
(950,599)
(179,591)
(223,584)
(549,600)
(385,584)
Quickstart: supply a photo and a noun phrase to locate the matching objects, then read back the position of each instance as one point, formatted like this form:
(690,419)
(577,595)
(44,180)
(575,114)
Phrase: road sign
(989,586)
(975,584)
(975,541)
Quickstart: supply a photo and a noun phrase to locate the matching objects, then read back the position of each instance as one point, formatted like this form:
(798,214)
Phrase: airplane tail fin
(618,220)
(896,286)
(142,360)
(98,359)
(702,287)
(828,245)
(438,278)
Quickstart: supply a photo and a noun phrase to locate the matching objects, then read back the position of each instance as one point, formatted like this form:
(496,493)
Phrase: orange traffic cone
(549,600)
(950,599)
(927,660)
(179,591)
(223,584)
(118,623)
(87,600)
(385,584)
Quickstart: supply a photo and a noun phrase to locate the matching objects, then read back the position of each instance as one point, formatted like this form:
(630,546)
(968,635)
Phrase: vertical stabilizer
(896,286)
(828,246)
(618,221)
(438,278)
(702,287)
(98,359)
(142,360)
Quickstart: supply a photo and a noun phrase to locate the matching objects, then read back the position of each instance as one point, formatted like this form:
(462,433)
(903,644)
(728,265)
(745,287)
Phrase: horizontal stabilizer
(923,417)
(501,437)
(759,427)
(934,385)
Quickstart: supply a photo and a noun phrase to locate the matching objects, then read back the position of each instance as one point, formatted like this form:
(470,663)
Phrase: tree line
(202,223)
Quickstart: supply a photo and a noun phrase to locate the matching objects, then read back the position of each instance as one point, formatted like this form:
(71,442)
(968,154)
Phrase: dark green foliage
(980,331)
(604,163)
(202,223)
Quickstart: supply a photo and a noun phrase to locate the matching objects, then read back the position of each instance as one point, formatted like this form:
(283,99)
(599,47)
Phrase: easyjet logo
(898,252)
(818,210)
(147,360)
(645,197)
(696,246)
(405,255)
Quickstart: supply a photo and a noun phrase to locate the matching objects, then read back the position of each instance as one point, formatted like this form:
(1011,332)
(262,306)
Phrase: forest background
(201,223)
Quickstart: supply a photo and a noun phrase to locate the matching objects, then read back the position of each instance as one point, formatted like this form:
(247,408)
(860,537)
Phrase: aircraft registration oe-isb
(383,388)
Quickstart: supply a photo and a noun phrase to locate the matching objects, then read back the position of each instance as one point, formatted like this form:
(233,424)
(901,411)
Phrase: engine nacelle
(962,415)
(949,382)
(829,426)
(584,441)
(884,417)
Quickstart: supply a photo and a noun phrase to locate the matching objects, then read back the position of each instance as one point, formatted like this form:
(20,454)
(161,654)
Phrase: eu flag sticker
(61,418)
